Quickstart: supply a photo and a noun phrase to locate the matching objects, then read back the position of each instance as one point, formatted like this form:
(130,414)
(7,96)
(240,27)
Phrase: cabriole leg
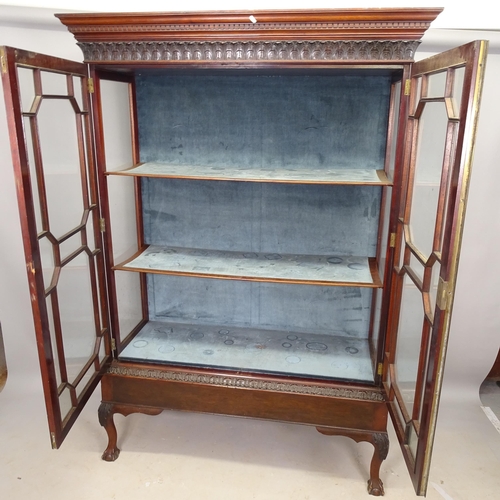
(380,441)
(106,412)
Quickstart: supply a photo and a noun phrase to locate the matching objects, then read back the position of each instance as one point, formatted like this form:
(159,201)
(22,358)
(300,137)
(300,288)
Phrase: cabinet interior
(263,200)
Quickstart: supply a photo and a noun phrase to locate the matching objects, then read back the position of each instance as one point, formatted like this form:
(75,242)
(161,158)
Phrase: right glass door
(444,101)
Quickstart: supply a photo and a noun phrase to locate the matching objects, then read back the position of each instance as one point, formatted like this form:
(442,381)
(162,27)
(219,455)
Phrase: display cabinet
(248,214)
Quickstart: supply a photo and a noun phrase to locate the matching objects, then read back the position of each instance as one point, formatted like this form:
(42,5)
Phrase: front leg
(380,441)
(106,412)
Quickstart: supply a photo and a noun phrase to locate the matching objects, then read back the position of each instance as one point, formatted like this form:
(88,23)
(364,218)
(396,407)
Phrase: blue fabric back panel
(262,121)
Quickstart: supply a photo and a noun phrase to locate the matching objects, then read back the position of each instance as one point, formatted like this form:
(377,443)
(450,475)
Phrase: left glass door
(50,127)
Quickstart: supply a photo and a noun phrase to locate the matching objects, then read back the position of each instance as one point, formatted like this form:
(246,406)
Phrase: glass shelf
(252,266)
(249,174)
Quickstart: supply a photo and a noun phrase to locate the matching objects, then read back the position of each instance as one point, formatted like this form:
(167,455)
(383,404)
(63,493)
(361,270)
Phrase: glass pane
(90,230)
(409,339)
(54,83)
(458,87)
(55,347)
(59,145)
(26,88)
(65,403)
(416,98)
(33,176)
(77,314)
(122,223)
(70,245)
(435,271)
(116,122)
(128,296)
(395,120)
(436,84)
(412,440)
(386,214)
(416,267)
(47,258)
(77,89)
(427,177)
(85,380)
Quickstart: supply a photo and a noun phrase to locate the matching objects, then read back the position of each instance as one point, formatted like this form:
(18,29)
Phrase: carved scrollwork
(381,443)
(247,383)
(104,412)
(329,50)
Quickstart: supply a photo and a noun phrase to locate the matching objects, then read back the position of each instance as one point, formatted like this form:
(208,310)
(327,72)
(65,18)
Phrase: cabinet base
(335,409)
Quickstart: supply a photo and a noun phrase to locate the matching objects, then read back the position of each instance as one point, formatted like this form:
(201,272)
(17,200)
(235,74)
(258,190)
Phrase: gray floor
(489,393)
(186,456)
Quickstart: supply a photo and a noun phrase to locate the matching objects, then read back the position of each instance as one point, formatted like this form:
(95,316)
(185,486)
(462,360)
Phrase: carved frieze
(246,383)
(318,50)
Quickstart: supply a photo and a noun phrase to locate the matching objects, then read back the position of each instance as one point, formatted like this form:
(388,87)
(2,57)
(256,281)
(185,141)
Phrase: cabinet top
(100,34)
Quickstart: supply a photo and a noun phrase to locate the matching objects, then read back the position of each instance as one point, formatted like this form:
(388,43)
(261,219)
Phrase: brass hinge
(407,87)
(392,243)
(53,441)
(113,344)
(380,369)
(102,225)
(442,295)
(90,85)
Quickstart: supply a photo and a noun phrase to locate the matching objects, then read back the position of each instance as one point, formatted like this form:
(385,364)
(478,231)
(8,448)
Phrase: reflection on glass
(59,146)
(409,340)
(428,166)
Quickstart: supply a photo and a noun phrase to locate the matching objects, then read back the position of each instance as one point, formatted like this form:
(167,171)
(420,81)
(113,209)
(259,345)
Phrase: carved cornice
(210,51)
(246,383)
(375,26)
(327,24)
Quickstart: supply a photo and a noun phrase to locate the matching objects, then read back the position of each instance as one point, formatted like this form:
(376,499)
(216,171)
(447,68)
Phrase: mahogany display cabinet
(251,214)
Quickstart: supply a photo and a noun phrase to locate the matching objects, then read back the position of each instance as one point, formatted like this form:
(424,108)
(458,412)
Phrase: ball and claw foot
(375,487)
(110,455)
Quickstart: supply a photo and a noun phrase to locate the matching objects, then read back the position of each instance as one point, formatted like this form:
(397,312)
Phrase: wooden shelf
(280,175)
(326,270)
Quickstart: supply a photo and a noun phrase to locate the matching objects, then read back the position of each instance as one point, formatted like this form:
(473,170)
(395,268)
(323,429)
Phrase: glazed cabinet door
(47,101)
(443,109)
